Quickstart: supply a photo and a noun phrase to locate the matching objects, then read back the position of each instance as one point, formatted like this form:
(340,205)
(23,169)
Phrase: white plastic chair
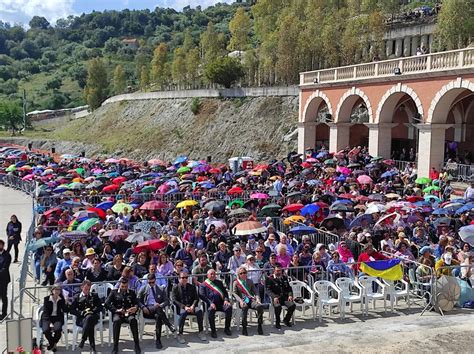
(76,329)
(322,288)
(238,312)
(142,321)
(396,292)
(102,290)
(39,330)
(189,318)
(367,283)
(351,292)
(297,288)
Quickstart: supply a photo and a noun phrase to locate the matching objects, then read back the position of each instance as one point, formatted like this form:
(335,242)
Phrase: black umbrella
(293,194)
(215,206)
(333,222)
(272,210)
(239,212)
(342,207)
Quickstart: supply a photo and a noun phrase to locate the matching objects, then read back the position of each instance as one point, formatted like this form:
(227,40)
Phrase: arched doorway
(313,131)
(397,117)
(450,118)
(359,132)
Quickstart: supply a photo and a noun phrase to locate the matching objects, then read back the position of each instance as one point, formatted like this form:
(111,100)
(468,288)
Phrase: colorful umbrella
(423,180)
(249,228)
(293,207)
(364,179)
(238,202)
(259,196)
(120,207)
(87,224)
(153,245)
(294,219)
(100,213)
(187,203)
(154,205)
(235,190)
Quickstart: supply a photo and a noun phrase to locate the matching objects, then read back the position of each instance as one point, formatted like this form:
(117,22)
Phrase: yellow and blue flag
(390,269)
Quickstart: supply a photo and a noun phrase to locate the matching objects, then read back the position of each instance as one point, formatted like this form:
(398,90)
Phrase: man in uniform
(5,261)
(185,298)
(123,304)
(153,300)
(87,308)
(215,295)
(279,290)
(247,295)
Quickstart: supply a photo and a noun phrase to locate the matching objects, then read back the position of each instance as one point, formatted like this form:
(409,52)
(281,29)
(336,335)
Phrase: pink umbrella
(259,196)
(364,179)
(344,170)
(163,189)
(311,160)
(111,160)
(28,177)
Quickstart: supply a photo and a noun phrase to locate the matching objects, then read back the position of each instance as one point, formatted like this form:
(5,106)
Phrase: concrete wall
(208,93)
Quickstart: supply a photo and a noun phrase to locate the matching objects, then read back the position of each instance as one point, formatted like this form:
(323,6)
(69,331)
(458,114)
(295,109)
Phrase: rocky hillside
(261,127)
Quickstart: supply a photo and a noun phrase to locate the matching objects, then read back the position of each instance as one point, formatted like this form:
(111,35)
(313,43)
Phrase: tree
(178,68)
(39,22)
(239,28)
(144,78)
(54,83)
(455,25)
(192,66)
(11,115)
(97,85)
(158,65)
(224,71)
(287,64)
(119,80)
(211,44)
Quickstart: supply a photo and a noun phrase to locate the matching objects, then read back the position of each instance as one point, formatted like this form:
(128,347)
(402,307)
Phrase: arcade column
(306,136)
(380,139)
(431,140)
(338,136)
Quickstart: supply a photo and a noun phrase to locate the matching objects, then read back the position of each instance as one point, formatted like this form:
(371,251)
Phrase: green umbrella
(423,180)
(430,189)
(87,224)
(270,210)
(238,202)
(430,197)
(80,171)
(119,207)
(11,168)
(75,185)
(376,158)
(329,162)
(183,169)
(148,189)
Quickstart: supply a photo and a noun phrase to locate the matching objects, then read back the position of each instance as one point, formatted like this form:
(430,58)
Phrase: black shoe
(115,351)
(277,325)
(81,344)
(15,261)
(3,316)
(227,331)
(260,330)
(172,329)
(54,349)
(49,347)
(287,323)
(213,334)
(244,331)
(158,344)
(137,349)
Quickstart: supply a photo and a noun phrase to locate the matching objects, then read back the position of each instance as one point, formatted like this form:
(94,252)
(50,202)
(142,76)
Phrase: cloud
(21,11)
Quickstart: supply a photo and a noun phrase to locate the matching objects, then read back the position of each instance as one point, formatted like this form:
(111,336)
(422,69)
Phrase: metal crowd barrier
(460,172)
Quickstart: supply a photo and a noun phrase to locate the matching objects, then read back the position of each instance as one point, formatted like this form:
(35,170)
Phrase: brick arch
(441,103)
(346,99)
(316,95)
(387,99)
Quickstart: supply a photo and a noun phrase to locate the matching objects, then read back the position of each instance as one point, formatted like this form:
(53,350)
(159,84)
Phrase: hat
(425,249)
(236,248)
(89,252)
(66,250)
(250,256)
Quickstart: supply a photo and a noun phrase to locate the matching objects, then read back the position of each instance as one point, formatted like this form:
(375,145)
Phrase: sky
(21,11)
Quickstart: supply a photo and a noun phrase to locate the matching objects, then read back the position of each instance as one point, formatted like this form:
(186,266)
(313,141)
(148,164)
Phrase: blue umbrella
(321,154)
(389,174)
(180,160)
(467,293)
(314,182)
(42,242)
(440,211)
(341,178)
(422,203)
(73,204)
(21,163)
(303,230)
(341,201)
(310,209)
(172,191)
(465,209)
(207,185)
(113,174)
(459,200)
(105,205)
(360,219)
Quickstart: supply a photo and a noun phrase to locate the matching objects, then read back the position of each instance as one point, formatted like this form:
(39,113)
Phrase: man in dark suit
(87,307)
(5,261)
(152,299)
(123,304)
(215,295)
(279,290)
(185,298)
(247,295)
(52,317)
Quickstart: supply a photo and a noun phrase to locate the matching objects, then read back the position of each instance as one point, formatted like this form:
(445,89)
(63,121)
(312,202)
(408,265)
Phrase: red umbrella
(346,196)
(100,213)
(322,205)
(293,207)
(154,205)
(110,188)
(362,199)
(119,180)
(414,199)
(53,211)
(153,245)
(260,167)
(215,170)
(235,190)
(306,165)
(155,162)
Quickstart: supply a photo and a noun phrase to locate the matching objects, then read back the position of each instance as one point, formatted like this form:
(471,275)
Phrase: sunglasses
(259,251)
(243,273)
(183,277)
(151,282)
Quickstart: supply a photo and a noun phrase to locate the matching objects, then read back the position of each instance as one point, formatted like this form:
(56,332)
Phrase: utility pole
(24,110)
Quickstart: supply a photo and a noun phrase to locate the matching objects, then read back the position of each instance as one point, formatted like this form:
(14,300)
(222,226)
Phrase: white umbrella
(373,208)
(138,237)
(392,218)
(448,292)
(467,234)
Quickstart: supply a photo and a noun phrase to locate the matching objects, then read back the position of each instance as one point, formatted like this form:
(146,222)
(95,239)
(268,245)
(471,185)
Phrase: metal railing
(428,63)
(401,165)
(460,172)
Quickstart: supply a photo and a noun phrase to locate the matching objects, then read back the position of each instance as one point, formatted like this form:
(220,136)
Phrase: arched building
(424,104)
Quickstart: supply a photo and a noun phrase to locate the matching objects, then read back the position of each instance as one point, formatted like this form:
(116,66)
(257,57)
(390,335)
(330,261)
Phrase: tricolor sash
(244,288)
(210,285)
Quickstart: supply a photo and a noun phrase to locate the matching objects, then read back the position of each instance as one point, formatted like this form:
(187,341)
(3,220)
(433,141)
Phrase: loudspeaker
(83,154)
(53,150)
(30,146)
(209,158)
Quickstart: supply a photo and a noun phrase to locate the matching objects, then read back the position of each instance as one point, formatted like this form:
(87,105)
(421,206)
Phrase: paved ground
(403,331)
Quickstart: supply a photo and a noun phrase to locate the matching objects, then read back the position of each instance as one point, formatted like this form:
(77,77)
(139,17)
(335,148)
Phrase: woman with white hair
(325,257)
(282,255)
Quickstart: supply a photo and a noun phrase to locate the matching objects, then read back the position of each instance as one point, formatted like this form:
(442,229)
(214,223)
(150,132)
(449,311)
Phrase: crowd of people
(185,233)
